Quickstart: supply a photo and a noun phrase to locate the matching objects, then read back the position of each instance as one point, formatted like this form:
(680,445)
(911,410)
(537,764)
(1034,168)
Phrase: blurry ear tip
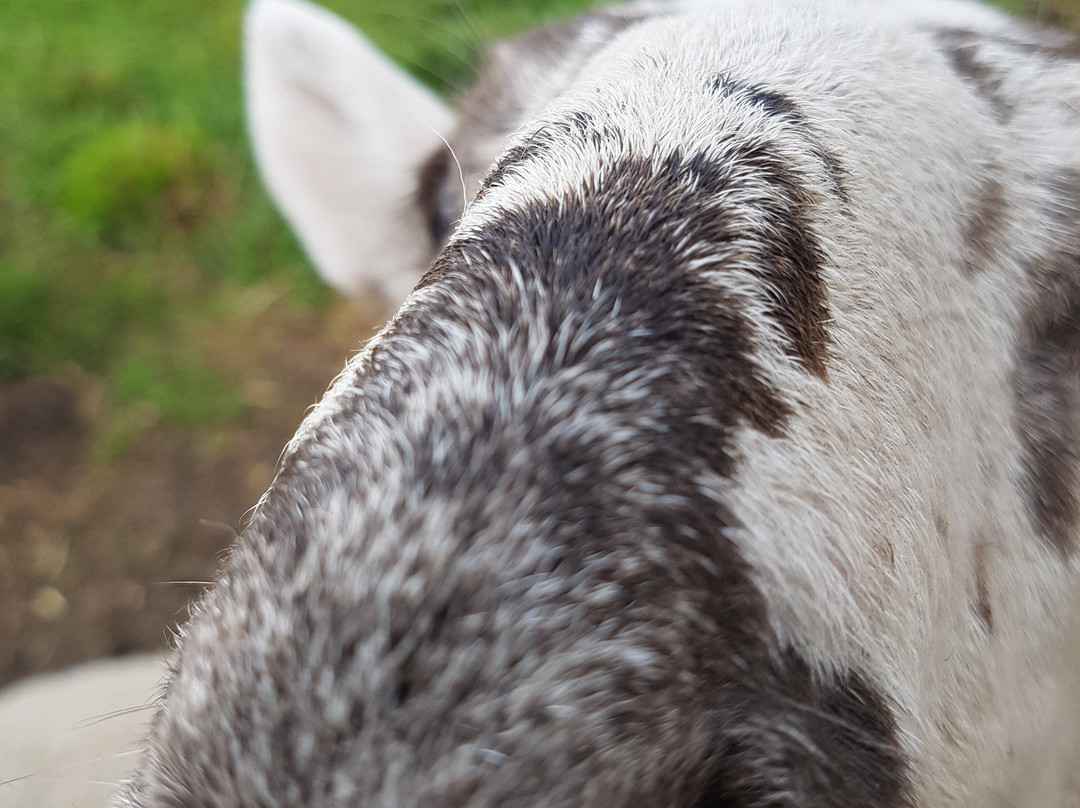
(270,11)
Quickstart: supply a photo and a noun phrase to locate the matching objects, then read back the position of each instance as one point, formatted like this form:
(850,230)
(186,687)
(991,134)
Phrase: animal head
(726,454)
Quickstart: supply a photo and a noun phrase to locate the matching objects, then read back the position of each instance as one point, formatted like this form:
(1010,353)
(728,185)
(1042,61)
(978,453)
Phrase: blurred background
(161,334)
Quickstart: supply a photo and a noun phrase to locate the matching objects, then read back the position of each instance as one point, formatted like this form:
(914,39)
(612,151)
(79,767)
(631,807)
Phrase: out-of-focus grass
(1061,13)
(132,175)
(131,216)
(130,213)
(121,156)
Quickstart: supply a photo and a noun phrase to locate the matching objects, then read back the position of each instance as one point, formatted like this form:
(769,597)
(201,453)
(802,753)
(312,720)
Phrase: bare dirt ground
(93,555)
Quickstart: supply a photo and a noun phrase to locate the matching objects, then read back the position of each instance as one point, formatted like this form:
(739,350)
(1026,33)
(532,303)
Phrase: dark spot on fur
(776,237)
(615,371)
(983,610)
(886,551)
(593,290)
(828,743)
(1048,390)
(583,122)
(983,227)
(777,105)
(961,48)
(941,524)
(949,730)
(771,101)
(1048,377)
(838,175)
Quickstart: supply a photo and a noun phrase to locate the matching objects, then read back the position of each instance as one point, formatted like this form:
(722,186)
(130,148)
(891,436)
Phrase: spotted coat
(725,456)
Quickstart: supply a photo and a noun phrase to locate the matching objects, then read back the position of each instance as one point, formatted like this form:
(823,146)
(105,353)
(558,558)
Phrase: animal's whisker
(112,714)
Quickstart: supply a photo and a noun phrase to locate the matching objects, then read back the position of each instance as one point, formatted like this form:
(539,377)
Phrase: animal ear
(339,133)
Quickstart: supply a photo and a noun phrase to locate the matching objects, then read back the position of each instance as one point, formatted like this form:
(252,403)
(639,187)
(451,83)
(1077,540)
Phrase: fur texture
(726,456)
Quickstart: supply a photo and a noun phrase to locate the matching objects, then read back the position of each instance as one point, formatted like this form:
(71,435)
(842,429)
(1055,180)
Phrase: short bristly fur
(727,456)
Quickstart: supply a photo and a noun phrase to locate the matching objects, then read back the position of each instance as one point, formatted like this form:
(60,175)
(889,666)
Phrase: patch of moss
(133,174)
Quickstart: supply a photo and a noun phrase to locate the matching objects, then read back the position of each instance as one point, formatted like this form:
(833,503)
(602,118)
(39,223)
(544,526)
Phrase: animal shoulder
(724,451)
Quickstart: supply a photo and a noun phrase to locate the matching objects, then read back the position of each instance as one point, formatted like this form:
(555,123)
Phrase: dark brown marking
(828,743)
(533,147)
(941,524)
(773,102)
(983,227)
(961,47)
(787,252)
(838,174)
(1048,378)
(1048,382)
(982,605)
(948,730)
(777,105)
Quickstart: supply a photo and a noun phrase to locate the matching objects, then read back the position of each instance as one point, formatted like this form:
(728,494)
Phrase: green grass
(129,206)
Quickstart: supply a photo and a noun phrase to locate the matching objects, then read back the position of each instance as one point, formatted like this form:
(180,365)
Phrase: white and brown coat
(727,456)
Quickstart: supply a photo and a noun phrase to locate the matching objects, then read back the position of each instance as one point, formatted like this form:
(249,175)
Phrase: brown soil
(97,558)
